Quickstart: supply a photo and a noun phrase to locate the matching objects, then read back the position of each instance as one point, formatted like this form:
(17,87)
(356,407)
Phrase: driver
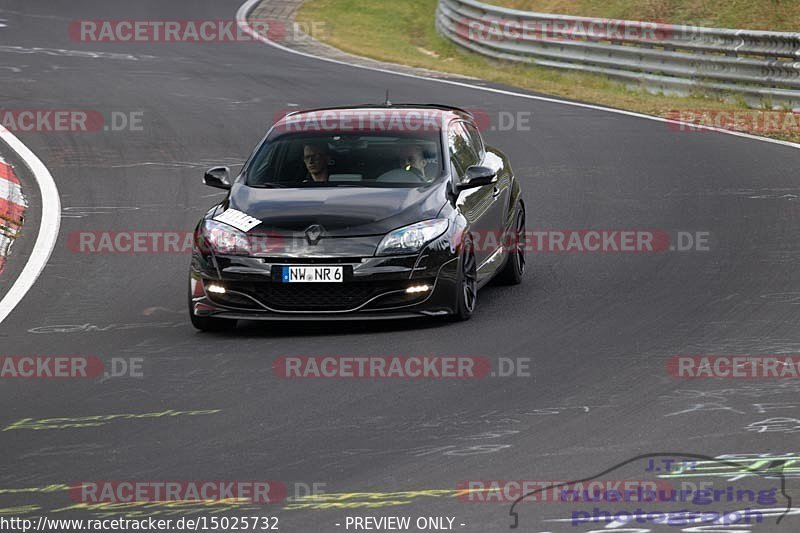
(316,158)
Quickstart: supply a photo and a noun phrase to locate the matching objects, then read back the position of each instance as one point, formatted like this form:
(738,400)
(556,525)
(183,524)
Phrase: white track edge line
(244,10)
(48,226)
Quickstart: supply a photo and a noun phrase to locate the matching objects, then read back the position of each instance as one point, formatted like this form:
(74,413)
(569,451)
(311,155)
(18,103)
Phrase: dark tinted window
(381,159)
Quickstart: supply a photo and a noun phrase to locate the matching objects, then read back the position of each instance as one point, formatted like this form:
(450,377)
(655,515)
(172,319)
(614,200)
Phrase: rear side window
(462,151)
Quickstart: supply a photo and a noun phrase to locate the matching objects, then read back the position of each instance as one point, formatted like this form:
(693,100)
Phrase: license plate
(312,274)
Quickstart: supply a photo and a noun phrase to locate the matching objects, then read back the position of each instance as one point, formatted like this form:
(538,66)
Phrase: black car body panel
(349,224)
(342,212)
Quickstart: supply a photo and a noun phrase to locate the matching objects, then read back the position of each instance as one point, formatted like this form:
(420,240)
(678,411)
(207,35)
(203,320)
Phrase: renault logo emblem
(313,233)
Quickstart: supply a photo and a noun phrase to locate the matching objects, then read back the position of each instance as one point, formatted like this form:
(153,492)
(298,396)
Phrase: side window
(475,139)
(462,154)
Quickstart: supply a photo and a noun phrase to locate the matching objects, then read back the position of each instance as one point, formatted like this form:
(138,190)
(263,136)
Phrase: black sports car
(369,212)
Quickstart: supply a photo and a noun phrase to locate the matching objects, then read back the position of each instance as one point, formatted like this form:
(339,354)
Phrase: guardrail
(760,67)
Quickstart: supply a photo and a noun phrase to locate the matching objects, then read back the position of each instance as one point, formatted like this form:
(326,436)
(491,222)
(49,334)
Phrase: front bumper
(373,287)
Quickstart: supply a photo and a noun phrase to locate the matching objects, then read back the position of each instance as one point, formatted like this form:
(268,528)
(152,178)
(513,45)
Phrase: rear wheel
(467,285)
(515,263)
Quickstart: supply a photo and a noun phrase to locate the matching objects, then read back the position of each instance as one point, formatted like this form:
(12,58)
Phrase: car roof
(442,112)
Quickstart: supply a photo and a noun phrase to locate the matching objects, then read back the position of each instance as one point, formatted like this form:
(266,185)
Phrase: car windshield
(371,159)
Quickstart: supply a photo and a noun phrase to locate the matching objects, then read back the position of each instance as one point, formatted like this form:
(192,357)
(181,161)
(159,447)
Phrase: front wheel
(515,263)
(467,283)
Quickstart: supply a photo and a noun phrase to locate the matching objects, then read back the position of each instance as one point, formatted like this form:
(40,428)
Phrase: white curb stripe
(48,226)
(10,199)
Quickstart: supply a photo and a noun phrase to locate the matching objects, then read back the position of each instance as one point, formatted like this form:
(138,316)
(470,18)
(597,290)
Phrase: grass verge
(407,35)
(776,15)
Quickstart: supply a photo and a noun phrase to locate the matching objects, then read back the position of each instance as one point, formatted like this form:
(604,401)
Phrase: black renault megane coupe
(371,212)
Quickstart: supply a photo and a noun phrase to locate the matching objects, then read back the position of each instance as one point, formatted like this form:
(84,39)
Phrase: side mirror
(217,177)
(477,176)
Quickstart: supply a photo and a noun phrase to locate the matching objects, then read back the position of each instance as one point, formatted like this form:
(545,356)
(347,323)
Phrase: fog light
(218,289)
(418,288)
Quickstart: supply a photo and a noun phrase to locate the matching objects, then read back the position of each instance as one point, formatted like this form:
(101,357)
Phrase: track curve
(597,327)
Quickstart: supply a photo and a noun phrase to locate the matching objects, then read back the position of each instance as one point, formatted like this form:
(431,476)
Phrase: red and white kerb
(12,208)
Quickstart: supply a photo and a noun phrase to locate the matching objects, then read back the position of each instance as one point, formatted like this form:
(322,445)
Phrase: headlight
(411,239)
(222,239)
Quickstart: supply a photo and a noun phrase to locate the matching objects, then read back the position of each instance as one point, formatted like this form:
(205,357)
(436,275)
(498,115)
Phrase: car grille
(311,296)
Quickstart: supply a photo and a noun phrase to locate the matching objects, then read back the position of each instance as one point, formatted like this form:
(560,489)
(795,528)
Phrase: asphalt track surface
(598,328)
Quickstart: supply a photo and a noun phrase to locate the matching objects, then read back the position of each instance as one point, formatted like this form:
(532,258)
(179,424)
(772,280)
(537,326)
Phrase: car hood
(341,211)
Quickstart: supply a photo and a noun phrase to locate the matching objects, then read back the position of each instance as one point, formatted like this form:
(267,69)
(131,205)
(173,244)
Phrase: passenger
(413,159)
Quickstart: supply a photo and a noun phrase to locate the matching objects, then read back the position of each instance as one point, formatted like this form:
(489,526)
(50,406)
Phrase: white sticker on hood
(237,219)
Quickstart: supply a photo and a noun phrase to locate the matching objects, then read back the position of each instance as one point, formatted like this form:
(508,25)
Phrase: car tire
(467,281)
(515,262)
(208,323)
